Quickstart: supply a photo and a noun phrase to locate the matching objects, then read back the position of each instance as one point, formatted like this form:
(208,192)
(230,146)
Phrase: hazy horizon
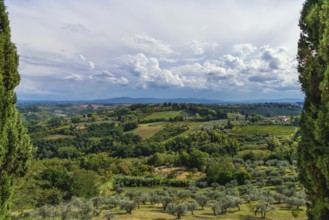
(219,50)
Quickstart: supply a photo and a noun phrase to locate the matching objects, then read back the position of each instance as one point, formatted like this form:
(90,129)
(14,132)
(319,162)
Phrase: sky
(213,49)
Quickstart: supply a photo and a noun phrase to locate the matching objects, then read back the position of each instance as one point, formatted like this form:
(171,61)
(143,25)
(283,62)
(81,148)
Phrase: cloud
(107,76)
(150,73)
(148,45)
(200,48)
(263,78)
(91,65)
(246,67)
(244,49)
(83,58)
(75,28)
(218,47)
(74,77)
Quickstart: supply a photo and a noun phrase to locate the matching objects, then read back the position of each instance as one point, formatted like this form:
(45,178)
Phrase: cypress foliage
(313,66)
(15,147)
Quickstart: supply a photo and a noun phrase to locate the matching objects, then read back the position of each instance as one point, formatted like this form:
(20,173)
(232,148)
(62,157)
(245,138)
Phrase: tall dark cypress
(313,66)
(15,147)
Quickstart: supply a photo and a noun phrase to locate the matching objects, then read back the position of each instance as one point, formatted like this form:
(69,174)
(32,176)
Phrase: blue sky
(215,49)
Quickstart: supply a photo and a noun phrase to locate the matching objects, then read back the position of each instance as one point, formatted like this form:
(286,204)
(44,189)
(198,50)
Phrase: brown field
(181,172)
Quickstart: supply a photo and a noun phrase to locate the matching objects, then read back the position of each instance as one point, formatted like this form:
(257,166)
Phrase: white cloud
(150,73)
(75,28)
(244,49)
(148,45)
(83,58)
(200,48)
(214,46)
(75,77)
(91,65)
(109,77)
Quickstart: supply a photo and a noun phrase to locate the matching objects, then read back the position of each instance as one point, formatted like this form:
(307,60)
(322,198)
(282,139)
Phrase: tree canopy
(15,147)
(313,66)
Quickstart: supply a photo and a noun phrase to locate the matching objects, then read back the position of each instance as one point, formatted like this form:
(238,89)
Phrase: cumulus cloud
(244,49)
(246,67)
(130,48)
(151,74)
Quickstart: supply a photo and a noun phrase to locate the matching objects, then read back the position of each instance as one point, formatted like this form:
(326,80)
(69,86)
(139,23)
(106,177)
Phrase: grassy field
(273,130)
(162,115)
(148,212)
(58,136)
(209,124)
(148,130)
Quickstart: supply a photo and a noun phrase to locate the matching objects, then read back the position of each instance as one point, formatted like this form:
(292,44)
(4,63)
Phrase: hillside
(147,161)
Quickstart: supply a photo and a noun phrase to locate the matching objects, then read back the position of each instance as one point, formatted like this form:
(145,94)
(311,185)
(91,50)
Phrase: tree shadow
(249,217)
(158,210)
(201,217)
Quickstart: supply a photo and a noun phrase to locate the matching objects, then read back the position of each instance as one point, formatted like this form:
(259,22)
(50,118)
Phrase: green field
(149,212)
(162,115)
(209,124)
(58,136)
(148,130)
(273,130)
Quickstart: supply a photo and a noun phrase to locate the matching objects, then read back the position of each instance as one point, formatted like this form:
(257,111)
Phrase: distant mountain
(285,100)
(128,100)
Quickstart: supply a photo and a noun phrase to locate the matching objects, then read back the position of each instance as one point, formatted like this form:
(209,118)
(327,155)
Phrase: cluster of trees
(178,203)
(193,149)
(209,141)
(54,182)
(57,180)
(170,130)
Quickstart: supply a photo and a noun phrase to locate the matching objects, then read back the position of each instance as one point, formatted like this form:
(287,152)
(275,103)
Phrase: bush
(177,182)
(135,181)
(242,176)
(85,183)
(275,181)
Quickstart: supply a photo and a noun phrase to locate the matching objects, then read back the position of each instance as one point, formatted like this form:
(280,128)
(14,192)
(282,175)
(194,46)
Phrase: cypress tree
(15,147)
(313,66)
